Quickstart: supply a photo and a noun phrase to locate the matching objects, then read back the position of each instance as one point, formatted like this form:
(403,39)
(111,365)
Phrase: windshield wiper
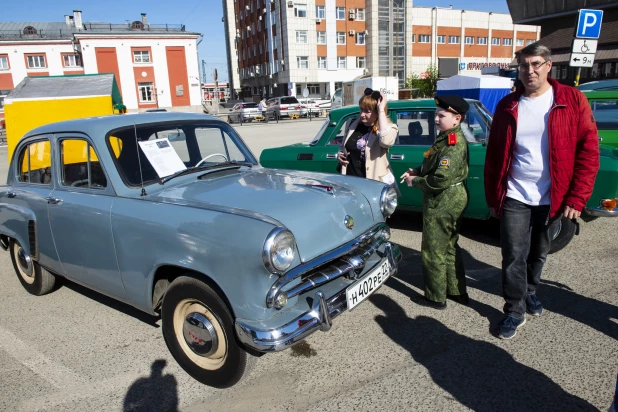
(199,168)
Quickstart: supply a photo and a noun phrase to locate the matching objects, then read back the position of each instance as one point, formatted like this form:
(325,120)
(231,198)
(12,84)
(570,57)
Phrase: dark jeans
(525,242)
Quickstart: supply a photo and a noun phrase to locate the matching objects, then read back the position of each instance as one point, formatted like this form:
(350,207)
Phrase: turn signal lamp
(609,204)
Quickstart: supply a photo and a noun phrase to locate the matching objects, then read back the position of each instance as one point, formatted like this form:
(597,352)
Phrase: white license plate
(368,284)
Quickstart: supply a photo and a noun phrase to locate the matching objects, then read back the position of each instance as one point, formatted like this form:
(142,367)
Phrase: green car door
(604,106)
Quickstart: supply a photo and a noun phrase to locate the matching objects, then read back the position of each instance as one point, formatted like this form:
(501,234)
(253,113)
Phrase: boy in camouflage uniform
(445,197)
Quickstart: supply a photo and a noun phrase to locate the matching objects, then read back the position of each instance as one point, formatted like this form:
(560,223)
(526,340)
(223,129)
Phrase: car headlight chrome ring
(388,201)
(279,250)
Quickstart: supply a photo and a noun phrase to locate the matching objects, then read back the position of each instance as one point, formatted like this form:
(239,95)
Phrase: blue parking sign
(589,24)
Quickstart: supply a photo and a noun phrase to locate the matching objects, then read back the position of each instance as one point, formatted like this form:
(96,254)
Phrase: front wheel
(562,234)
(199,332)
(35,279)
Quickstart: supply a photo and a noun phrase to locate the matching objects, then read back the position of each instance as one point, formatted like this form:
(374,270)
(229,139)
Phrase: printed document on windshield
(162,157)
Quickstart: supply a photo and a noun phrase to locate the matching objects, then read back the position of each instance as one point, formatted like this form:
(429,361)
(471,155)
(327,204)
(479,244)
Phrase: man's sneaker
(509,325)
(533,306)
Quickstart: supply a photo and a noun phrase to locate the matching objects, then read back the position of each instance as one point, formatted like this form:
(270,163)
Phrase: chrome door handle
(331,156)
(600,139)
(397,157)
(53,200)
(11,194)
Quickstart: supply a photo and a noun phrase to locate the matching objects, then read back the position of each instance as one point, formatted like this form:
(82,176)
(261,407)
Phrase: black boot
(430,303)
(461,299)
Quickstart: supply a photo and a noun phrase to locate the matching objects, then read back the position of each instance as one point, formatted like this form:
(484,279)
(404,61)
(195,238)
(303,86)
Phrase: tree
(426,82)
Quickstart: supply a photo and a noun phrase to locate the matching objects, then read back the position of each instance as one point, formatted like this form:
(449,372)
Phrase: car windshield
(320,132)
(207,144)
(477,123)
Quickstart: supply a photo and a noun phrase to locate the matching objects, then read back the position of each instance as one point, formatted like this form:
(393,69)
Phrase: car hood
(296,200)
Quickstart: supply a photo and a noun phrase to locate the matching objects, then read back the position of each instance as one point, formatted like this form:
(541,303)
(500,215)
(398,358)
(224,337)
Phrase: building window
(254,51)
(481,40)
(341,62)
(146,92)
(36,62)
(507,42)
(321,62)
(29,30)
(360,38)
(453,39)
(72,60)
(260,48)
(529,42)
(321,37)
(259,25)
(340,13)
(564,72)
(340,37)
(302,62)
(300,10)
(301,36)
(320,12)
(141,56)
(414,38)
(441,39)
(360,62)
(252,27)
(360,14)
(519,42)
(314,89)
(4,63)
(424,38)
(469,40)
(495,41)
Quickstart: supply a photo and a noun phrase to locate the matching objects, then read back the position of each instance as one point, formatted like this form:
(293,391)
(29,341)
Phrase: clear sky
(202,16)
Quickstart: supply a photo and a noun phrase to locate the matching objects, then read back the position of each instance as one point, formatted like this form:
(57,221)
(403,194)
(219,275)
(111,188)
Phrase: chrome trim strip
(319,261)
(600,212)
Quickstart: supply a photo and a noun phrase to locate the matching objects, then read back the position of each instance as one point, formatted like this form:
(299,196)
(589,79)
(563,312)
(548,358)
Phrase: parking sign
(589,24)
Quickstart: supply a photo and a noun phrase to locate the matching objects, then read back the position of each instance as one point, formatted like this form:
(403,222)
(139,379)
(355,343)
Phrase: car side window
(475,125)
(80,165)
(416,128)
(605,113)
(343,126)
(35,163)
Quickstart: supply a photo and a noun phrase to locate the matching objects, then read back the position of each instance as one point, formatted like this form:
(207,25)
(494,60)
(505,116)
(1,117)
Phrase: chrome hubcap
(24,261)
(200,334)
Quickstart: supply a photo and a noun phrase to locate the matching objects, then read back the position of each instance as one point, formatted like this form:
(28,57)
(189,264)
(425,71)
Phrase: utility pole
(204,71)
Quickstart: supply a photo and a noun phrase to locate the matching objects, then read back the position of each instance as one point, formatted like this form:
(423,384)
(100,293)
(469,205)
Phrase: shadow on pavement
(112,303)
(478,374)
(157,392)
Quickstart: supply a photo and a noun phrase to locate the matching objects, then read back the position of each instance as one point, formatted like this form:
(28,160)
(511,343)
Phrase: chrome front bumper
(323,311)
(599,212)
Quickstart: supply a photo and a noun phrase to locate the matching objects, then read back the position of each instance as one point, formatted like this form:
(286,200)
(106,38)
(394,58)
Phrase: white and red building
(156,66)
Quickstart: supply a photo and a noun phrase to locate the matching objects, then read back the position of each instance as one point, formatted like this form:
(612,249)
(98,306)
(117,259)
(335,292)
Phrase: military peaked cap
(452,103)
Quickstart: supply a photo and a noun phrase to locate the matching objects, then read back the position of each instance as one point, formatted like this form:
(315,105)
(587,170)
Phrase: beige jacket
(376,152)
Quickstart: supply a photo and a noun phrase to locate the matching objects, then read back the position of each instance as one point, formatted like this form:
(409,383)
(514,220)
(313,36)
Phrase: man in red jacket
(542,159)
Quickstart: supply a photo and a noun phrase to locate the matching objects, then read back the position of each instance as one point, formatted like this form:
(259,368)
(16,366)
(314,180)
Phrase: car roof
(392,104)
(609,84)
(99,126)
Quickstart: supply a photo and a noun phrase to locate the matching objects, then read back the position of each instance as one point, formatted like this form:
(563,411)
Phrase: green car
(604,105)
(416,135)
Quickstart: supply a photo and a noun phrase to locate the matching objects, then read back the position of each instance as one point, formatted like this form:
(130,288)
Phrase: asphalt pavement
(76,350)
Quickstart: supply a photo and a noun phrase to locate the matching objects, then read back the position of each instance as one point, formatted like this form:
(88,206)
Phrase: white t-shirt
(529,179)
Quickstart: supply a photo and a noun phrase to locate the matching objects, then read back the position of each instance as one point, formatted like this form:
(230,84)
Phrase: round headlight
(279,250)
(388,201)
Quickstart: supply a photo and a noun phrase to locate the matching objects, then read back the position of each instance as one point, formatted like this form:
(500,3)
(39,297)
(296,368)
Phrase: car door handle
(600,138)
(331,155)
(11,194)
(53,200)
(397,157)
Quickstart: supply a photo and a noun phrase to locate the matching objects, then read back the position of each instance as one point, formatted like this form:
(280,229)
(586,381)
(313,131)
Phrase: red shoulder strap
(452,139)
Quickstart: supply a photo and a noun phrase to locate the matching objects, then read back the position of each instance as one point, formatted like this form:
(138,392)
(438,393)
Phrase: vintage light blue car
(238,260)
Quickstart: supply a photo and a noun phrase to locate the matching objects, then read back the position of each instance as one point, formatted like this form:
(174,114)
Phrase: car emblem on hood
(348,221)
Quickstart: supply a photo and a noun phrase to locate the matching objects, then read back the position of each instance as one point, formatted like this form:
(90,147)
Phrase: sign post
(585,43)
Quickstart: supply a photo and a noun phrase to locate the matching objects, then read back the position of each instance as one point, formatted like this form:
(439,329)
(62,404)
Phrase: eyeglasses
(534,65)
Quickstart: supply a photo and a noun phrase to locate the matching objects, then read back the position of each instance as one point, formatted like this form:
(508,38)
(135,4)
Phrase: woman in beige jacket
(364,151)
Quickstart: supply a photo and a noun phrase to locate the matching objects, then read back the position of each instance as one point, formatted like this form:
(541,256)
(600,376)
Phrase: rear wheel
(35,279)
(199,332)
(562,234)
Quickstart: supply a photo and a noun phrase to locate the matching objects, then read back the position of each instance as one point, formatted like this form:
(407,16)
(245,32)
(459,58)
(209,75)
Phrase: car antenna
(141,176)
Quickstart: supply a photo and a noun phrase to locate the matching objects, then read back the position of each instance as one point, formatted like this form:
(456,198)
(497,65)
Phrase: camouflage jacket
(445,164)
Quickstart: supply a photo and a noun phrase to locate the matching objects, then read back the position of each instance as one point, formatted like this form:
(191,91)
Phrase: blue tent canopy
(487,89)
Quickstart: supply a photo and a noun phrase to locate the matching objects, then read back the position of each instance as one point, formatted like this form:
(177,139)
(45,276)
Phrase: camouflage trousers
(443,270)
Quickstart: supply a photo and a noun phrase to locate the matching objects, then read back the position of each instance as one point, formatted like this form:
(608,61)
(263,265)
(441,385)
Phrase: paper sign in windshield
(162,157)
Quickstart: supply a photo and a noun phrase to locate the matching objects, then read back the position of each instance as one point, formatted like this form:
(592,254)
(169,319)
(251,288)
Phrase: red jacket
(573,147)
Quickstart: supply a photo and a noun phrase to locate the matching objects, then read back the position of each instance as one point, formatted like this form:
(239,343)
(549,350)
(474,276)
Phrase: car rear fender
(12,219)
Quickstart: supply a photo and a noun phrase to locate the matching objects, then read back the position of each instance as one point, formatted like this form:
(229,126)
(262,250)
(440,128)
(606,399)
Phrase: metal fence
(312,115)
(56,34)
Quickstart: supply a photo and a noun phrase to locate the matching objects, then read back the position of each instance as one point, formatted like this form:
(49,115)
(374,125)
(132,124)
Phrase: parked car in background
(600,85)
(416,135)
(310,107)
(238,260)
(243,112)
(604,104)
(284,106)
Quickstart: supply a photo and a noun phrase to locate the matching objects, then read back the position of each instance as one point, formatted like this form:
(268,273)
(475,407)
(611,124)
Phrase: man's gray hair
(534,49)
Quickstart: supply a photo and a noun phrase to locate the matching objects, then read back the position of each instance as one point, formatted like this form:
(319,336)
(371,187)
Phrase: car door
(79,213)
(605,112)
(328,153)
(417,133)
(32,186)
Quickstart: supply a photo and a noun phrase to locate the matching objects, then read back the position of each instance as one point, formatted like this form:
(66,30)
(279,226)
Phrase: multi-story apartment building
(154,65)
(281,47)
